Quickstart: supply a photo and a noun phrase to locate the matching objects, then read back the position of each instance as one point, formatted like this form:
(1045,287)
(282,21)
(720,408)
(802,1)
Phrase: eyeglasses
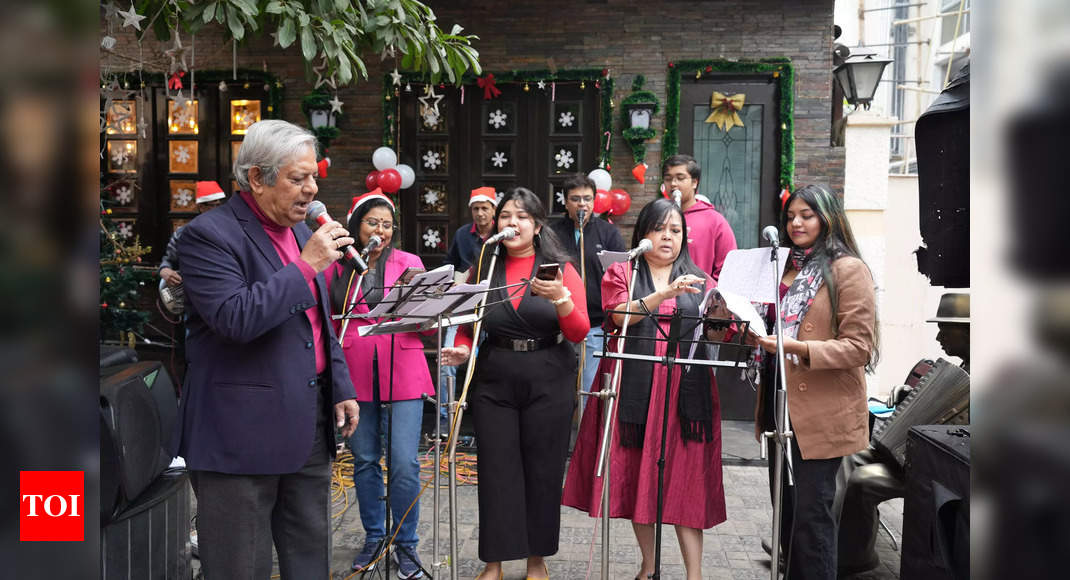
(374,223)
(583,199)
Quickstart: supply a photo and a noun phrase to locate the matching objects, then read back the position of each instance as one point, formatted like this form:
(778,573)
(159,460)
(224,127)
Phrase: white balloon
(408,176)
(601,178)
(384,158)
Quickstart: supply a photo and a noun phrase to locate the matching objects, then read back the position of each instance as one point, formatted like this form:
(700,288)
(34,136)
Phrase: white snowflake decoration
(120,156)
(432,160)
(123,194)
(431,197)
(564,158)
(560,197)
(566,119)
(182,154)
(498,159)
(431,238)
(126,230)
(431,119)
(184,196)
(497,118)
(183,115)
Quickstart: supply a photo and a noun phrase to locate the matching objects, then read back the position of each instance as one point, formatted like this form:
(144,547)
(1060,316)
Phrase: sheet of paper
(751,274)
(441,277)
(744,310)
(608,258)
(460,299)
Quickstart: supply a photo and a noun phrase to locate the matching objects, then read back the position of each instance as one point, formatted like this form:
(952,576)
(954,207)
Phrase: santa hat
(376,193)
(321,167)
(209,191)
(483,194)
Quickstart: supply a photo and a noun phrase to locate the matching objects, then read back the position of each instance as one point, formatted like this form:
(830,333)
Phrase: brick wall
(628,37)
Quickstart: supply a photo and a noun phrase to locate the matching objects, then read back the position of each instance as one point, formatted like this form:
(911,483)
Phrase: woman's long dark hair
(654,213)
(546,243)
(835,241)
(341,283)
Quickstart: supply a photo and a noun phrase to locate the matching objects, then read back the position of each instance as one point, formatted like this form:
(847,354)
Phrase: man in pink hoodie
(709,237)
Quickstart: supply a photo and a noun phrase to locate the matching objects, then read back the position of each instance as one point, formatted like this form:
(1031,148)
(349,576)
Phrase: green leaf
(208,13)
(341,5)
(234,23)
(308,44)
(303,19)
(345,72)
(273,7)
(287,33)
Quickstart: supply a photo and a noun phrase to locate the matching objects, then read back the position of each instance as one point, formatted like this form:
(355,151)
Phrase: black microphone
(505,234)
(316,217)
(644,246)
(373,242)
(772,235)
(581,214)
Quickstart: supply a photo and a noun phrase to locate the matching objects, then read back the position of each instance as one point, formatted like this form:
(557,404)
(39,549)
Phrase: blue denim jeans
(368,444)
(594,340)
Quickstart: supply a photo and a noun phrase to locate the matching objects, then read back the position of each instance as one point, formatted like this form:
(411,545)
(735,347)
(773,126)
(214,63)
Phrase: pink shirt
(710,237)
(282,238)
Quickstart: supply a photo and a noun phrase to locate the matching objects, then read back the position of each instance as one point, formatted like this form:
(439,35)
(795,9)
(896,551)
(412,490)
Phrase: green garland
(519,76)
(131,80)
(634,136)
(781,69)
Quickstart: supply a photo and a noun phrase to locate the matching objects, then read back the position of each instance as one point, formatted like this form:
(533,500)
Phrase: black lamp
(859,76)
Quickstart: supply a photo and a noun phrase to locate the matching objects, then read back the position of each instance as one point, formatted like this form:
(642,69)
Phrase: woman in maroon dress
(693,489)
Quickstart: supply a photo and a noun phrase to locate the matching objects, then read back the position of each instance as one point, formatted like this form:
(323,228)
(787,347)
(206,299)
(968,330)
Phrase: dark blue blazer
(248,403)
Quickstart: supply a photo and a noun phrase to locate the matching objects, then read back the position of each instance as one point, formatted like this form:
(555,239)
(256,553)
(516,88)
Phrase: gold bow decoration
(724,110)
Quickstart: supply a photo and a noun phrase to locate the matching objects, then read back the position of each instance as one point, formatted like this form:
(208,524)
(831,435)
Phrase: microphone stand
(782,433)
(581,214)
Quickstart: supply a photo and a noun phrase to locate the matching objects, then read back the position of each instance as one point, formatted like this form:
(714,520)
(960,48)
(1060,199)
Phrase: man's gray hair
(270,145)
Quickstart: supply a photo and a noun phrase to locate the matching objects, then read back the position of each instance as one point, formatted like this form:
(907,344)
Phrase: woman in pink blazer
(385,369)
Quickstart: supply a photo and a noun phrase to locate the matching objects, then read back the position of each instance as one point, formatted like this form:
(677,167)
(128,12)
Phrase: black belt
(524,344)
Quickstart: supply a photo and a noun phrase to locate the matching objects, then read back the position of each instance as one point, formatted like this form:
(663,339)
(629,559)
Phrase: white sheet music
(441,276)
(433,306)
(608,258)
(744,310)
(750,274)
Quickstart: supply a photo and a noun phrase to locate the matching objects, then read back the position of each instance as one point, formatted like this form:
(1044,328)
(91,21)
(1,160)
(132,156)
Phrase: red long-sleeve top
(574,325)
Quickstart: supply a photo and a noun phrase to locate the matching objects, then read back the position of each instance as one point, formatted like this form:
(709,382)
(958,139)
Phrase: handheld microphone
(772,235)
(644,246)
(505,234)
(373,242)
(316,217)
(677,197)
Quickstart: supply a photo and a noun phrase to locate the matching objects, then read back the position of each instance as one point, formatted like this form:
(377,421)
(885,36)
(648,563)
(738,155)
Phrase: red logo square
(52,506)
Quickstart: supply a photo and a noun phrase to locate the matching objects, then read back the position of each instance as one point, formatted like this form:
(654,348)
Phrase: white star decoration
(336,104)
(131,17)
(395,77)
(541,85)
(177,54)
(429,102)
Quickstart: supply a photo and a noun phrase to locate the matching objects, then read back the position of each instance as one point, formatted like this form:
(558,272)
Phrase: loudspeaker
(138,410)
(150,538)
(936,507)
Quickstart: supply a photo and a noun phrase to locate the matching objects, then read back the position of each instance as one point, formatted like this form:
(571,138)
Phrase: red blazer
(411,376)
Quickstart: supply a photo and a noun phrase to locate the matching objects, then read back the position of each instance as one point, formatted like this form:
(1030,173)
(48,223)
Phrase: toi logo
(52,506)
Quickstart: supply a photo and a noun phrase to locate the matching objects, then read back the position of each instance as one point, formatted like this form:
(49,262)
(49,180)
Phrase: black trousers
(808,517)
(522,408)
(238,516)
(871,482)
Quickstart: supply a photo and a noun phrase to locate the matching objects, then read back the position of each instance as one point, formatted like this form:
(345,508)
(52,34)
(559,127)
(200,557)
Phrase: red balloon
(390,180)
(620,202)
(372,181)
(602,201)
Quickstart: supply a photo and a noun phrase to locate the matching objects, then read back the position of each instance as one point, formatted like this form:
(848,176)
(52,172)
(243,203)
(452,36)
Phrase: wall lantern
(859,76)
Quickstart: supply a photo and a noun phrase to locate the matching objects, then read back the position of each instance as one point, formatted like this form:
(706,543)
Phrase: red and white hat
(376,193)
(483,194)
(209,191)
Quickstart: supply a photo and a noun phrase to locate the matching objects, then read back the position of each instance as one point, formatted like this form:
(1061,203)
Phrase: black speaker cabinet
(936,507)
(138,410)
(150,538)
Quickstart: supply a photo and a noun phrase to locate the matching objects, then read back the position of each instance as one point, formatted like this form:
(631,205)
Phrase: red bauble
(602,201)
(620,201)
(372,180)
(390,180)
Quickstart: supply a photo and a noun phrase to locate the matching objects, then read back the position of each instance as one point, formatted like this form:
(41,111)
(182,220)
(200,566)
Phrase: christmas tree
(121,283)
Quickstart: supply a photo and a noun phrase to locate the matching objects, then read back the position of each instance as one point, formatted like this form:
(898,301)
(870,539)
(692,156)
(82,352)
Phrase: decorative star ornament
(131,17)
(177,54)
(429,102)
(395,77)
(113,92)
(142,126)
(541,85)
(110,10)
(336,105)
(320,80)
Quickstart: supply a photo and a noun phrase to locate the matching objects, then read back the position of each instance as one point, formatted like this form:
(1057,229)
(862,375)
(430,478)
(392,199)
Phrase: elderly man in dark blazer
(267,383)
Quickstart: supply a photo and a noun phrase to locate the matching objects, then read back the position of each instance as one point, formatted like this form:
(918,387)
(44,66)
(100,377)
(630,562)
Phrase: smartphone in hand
(548,272)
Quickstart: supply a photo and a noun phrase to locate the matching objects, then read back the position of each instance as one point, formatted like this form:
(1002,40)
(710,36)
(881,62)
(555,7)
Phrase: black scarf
(695,403)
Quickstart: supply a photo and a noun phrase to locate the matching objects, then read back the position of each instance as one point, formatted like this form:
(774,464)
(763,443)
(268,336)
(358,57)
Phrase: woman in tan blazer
(828,306)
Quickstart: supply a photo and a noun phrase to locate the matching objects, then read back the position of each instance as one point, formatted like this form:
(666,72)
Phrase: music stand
(681,326)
